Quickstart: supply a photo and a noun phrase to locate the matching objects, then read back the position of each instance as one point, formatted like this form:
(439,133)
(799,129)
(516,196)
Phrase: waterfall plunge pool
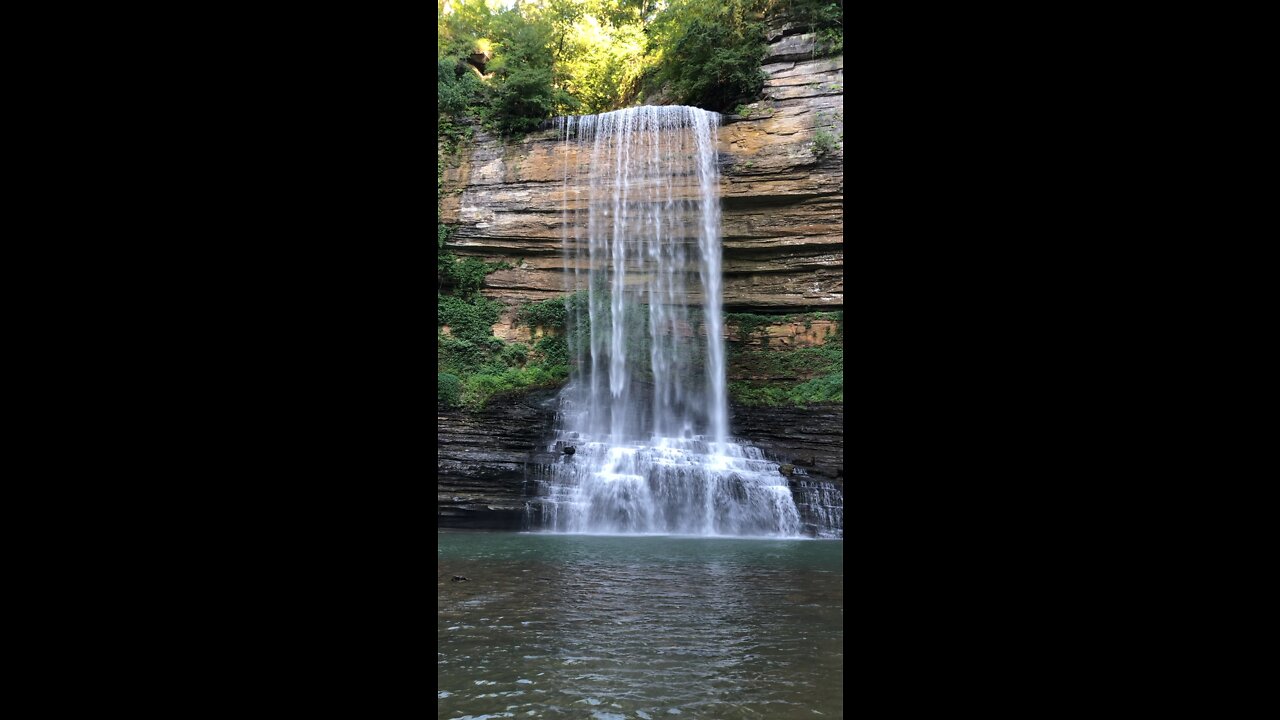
(649,626)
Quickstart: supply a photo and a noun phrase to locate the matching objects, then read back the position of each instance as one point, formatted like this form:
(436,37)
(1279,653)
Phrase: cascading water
(646,409)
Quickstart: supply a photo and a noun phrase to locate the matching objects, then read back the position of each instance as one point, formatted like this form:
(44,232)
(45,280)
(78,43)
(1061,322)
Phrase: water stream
(646,408)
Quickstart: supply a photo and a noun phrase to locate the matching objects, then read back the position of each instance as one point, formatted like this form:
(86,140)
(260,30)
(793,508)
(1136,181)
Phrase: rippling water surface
(610,627)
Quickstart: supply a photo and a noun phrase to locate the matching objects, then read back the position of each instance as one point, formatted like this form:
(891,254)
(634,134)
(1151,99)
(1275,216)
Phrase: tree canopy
(511,64)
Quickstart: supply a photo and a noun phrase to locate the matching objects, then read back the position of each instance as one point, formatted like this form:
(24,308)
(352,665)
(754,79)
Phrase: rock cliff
(782,189)
(484,457)
(488,460)
(809,441)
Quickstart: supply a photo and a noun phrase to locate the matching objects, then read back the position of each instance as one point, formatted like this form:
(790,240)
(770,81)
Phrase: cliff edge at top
(782,190)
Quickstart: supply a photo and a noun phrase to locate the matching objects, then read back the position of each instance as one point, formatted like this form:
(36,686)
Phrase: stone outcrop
(484,456)
(809,442)
(489,461)
(810,438)
(784,334)
(782,189)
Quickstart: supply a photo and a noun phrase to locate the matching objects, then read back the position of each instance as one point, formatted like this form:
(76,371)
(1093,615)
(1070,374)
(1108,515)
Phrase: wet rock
(483,457)
(815,432)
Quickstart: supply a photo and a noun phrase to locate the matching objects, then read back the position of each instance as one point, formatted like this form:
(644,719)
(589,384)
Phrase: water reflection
(643,627)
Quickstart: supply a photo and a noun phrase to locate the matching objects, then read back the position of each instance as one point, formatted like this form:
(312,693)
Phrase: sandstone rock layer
(782,189)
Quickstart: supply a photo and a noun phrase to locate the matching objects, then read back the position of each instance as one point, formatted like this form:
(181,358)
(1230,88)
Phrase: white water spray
(646,409)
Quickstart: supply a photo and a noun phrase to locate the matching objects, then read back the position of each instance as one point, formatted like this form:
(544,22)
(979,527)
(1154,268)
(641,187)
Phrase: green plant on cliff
(449,388)
(749,324)
(484,365)
(761,375)
(821,17)
(826,389)
(545,314)
(823,143)
(553,316)
(554,350)
(466,276)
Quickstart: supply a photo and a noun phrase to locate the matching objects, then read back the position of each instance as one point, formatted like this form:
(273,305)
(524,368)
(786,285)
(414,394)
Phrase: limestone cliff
(483,459)
(782,189)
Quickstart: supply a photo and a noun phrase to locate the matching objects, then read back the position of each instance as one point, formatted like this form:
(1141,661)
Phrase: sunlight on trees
(509,65)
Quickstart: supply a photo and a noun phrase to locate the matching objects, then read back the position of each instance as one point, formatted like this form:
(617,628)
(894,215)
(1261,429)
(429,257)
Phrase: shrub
(546,314)
(468,319)
(711,66)
(823,143)
(515,354)
(449,388)
(796,376)
(553,349)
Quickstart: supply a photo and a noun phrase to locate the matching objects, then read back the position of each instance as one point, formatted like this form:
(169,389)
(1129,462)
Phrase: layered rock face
(782,193)
(782,190)
(810,443)
(484,458)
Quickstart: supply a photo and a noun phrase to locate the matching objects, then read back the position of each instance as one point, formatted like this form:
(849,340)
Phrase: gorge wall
(782,195)
(483,458)
(782,189)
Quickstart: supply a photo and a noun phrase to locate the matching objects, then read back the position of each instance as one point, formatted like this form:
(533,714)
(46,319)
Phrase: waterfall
(646,407)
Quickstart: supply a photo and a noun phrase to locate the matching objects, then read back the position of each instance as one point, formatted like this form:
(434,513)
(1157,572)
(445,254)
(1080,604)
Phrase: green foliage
(823,143)
(457,85)
(526,99)
(468,319)
(449,389)
(465,276)
(709,52)
(509,70)
(788,363)
(830,41)
(553,349)
(545,314)
(749,323)
(552,313)
(827,389)
(515,354)
(601,50)
(822,17)
(813,14)
(553,316)
(767,376)
(484,365)
(495,69)
(479,389)
(442,229)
